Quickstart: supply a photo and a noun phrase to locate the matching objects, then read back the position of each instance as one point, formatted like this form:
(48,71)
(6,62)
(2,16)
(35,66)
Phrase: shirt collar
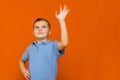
(44,43)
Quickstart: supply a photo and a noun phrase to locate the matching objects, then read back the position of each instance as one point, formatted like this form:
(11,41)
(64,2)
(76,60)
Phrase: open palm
(63,13)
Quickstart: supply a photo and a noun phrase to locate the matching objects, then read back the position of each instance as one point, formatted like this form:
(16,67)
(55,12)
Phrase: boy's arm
(64,34)
(23,69)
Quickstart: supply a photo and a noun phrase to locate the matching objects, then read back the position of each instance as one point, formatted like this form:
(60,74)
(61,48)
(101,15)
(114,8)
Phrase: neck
(41,40)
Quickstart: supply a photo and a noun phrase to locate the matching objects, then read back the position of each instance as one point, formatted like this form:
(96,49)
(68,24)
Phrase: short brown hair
(42,19)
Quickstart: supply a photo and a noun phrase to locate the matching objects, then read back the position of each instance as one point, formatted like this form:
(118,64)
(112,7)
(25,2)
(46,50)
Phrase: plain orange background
(94,37)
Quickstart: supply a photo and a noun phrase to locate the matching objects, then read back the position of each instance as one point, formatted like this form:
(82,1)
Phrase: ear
(33,33)
(49,32)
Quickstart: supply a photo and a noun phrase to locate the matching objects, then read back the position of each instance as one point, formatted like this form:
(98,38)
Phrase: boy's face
(41,30)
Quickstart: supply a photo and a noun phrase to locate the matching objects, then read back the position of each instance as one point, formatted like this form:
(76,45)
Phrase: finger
(26,78)
(29,75)
(56,12)
(68,11)
(65,7)
(60,8)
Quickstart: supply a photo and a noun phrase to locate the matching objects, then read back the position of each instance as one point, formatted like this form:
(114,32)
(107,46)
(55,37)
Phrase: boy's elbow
(21,61)
(62,45)
(65,44)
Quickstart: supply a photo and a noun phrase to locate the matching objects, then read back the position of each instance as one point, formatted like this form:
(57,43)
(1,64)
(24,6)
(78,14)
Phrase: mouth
(40,33)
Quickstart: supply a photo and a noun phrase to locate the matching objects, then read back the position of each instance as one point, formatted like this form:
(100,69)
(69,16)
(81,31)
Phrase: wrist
(23,70)
(61,20)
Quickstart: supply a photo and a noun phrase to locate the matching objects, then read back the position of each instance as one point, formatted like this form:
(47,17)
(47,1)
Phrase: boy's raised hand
(63,13)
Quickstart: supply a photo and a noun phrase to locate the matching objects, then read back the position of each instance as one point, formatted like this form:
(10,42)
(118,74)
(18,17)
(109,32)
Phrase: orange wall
(94,33)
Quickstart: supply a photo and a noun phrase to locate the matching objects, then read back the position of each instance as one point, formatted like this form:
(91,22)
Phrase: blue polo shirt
(43,58)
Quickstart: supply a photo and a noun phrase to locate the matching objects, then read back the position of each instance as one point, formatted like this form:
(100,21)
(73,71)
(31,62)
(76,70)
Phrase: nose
(40,29)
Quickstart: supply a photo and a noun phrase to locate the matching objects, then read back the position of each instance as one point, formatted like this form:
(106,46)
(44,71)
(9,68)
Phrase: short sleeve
(59,52)
(25,55)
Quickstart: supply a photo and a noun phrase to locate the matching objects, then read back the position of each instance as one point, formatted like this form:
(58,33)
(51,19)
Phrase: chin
(40,37)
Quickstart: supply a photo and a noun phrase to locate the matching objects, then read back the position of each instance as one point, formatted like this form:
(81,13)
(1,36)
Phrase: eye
(43,26)
(36,27)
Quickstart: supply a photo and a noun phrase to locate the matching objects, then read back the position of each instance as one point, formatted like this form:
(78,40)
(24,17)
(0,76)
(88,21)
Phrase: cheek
(35,31)
(46,31)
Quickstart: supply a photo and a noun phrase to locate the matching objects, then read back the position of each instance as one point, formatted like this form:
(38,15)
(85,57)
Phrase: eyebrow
(36,26)
(41,26)
(44,25)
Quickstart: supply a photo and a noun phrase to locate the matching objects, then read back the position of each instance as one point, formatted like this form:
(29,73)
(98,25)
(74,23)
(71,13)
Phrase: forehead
(40,23)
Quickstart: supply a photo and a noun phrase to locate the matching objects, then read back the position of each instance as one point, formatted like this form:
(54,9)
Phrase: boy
(43,53)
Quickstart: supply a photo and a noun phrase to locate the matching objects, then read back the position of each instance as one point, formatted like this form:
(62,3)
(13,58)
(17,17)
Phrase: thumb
(56,12)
